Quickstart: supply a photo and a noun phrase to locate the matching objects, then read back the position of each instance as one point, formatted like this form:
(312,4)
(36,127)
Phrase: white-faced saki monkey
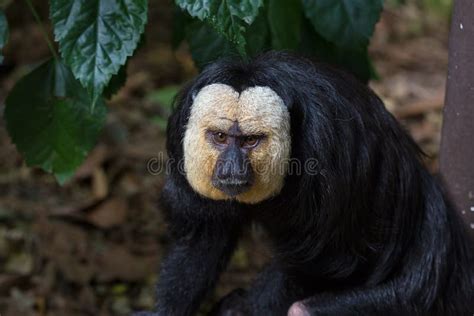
(357,225)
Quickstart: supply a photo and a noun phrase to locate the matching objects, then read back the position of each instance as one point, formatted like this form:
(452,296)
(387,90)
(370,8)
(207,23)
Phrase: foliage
(347,24)
(49,118)
(3,32)
(228,17)
(335,31)
(284,21)
(54,114)
(96,42)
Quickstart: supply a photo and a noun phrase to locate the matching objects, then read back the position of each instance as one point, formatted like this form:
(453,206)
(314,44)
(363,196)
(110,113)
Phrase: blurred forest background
(93,246)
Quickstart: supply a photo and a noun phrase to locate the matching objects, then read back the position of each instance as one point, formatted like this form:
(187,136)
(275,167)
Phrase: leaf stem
(43,29)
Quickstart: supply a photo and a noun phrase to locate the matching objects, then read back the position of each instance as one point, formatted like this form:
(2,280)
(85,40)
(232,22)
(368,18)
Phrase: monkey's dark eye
(219,138)
(250,141)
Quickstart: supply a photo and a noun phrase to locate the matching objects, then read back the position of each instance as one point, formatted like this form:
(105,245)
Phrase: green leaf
(49,118)
(206,45)
(356,62)
(345,23)
(181,20)
(3,32)
(228,17)
(284,19)
(200,9)
(97,36)
(257,35)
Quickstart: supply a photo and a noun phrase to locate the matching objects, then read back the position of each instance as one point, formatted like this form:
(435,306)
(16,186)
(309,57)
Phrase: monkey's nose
(232,174)
(232,186)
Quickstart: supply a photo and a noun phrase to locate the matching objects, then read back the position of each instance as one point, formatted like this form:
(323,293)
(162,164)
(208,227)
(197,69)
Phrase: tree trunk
(457,144)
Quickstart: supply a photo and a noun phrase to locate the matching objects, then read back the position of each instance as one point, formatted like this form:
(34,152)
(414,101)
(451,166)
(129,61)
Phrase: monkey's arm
(384,299)
(272,293)
(204,240)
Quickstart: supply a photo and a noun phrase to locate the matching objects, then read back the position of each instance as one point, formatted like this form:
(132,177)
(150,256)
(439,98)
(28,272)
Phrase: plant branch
(43,29)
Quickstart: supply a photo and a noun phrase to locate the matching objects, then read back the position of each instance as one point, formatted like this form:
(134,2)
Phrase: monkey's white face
(252,128)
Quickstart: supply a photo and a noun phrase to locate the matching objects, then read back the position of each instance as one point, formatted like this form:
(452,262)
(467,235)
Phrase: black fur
(371,234)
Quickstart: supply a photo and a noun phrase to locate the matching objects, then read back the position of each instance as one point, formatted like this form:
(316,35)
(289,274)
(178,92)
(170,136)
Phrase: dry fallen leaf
(100,184)
(95,159)
(108,214)
(116,262)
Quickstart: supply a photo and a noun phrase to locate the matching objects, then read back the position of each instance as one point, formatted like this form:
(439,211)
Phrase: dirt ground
(93,246)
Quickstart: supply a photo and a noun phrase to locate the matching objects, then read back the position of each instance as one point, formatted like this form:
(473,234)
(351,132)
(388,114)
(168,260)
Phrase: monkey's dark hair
(372,232)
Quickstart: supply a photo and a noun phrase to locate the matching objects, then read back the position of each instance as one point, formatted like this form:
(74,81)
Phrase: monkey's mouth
(232,187)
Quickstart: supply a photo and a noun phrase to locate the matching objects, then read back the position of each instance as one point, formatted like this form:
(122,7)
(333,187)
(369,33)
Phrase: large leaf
(354,61)
(206,45)
(49,118)
(3,32)
(284,19)
(228,17)
(257,35)
(345,23)
(97,36)
(181,20)
(200,9)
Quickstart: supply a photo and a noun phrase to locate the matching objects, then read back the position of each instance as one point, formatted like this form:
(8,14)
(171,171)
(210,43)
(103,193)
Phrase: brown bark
(457,145)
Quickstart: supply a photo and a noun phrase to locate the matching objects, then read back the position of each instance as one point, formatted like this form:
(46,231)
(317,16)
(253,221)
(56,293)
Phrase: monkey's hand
(298,309)
(378,300)
(233,304)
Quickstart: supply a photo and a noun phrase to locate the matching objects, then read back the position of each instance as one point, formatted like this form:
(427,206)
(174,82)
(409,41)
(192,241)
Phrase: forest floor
(93,246)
